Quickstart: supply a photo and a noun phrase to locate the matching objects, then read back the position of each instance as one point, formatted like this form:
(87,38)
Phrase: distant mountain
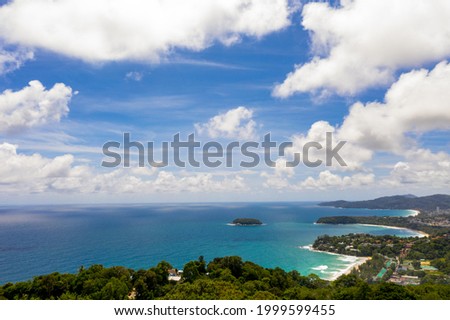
(396,202)
(409,196)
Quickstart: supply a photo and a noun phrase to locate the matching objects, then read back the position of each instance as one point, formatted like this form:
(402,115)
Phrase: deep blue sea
(44,239)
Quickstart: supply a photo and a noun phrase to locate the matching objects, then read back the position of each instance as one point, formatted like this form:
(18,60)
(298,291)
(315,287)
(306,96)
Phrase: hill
(396,202)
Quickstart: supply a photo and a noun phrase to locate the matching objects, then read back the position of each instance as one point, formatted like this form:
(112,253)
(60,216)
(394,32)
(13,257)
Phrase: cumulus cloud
(12,60)
(30,173)
(279,178)
(417,102)
(353,154)
(113,30)
(36,174)
(362,43)
(234,124)
(33,106)
(327,179)
(421,167)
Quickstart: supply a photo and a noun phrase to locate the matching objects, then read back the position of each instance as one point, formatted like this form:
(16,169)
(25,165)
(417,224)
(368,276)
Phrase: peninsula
(433,216)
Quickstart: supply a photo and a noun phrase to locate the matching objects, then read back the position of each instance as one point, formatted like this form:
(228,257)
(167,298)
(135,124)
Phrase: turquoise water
(45,239)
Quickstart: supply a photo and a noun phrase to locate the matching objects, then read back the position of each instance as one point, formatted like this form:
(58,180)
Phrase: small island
(246,222)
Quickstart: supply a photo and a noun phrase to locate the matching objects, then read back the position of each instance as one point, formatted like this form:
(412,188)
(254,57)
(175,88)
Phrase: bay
(36,240)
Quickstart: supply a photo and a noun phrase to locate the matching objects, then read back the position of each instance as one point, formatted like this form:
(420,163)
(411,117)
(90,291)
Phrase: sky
(75,75)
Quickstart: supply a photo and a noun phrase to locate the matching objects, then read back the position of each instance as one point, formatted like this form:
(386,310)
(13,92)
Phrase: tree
(114,290)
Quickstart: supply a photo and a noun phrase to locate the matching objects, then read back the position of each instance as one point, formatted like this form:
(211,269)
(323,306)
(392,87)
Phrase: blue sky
(295,70)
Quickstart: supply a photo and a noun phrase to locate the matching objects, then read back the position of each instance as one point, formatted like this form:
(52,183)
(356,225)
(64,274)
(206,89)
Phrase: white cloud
(30,173)
(33,106)
(362,43)
(12,60)
(422,168)
(113,30)
(234,124)
(199,182)
(353,154)
(279,179)
(417,102)
(328,179)
(25,174)
(134,75)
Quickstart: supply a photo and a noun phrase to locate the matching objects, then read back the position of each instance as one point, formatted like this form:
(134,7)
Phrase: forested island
(247,222)
(222,278)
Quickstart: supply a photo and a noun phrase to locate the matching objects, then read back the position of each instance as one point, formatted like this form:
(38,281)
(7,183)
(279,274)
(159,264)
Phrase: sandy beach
(355,264)
(421,233)
(413,213)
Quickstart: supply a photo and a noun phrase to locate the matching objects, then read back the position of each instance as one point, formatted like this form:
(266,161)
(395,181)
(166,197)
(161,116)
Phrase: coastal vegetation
(222,278)
(418,223)
(411,260)
(405,261)
(433,213)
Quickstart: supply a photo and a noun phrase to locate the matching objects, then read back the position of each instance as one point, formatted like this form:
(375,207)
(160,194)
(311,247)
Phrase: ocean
(36,240)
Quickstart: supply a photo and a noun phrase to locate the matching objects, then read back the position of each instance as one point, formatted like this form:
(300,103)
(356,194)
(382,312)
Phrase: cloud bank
(362,43)
(25,174)
(114,30)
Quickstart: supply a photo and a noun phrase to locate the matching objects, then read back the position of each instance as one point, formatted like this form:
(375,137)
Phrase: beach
(420,233)
(413,213)
(355,262)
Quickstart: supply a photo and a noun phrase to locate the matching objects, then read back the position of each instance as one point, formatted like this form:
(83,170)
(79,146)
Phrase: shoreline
(421,233)
(355,264)
(413,212)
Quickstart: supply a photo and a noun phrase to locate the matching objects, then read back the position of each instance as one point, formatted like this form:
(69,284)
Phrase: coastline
(353,265)
(413,213)
(421,233)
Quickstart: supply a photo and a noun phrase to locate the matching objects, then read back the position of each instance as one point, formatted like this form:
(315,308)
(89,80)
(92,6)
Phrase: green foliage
(193,270)
(362,245)
(247,221)
(390,291)
(426,222)
(206,289)
(228,278)
(233,263)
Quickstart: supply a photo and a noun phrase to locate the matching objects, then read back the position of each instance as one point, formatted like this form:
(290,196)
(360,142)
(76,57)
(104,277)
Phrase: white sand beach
(413,213)
(355,262)
(421,233)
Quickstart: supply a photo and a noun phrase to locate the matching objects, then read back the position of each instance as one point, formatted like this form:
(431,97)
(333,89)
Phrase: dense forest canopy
(222,278)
